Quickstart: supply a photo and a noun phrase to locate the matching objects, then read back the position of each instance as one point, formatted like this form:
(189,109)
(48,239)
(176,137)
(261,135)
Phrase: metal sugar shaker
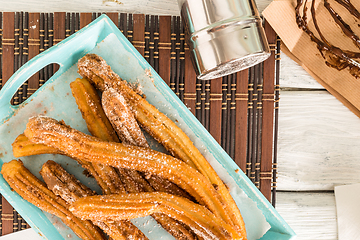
(224,36)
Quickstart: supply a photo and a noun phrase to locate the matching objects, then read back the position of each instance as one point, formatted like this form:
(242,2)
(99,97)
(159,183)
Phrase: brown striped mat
(239,110)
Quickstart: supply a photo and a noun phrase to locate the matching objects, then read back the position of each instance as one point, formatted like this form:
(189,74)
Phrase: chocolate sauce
(343,25)
(352,10)
(334,56)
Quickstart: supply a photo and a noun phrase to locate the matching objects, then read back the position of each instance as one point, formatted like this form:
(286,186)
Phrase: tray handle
(64,53)
(20,77)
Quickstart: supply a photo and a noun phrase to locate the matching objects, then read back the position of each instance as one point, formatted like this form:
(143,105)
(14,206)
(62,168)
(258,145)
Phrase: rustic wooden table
(318,136)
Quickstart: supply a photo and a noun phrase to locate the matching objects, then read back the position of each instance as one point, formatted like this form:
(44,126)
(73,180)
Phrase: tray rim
(198,129)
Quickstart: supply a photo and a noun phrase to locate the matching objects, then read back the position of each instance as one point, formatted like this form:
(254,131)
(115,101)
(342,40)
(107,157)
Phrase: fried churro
(53,133)
(63,183)
(96,119)
(34,191)
(133,181)
(129,132)
(70,189)
(90,106)
(160,127)
(178,230)
(128,206)
(122,119)
(23,147)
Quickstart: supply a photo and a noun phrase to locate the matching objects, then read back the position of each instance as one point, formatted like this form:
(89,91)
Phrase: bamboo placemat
(239,110)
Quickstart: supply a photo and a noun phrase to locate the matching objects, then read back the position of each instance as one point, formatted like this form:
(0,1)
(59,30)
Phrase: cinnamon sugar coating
(34,191)
(70,189)
(161,128)
(127,206)
(79,145)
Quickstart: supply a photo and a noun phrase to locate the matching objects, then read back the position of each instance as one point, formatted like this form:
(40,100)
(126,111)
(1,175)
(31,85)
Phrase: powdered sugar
(122,119)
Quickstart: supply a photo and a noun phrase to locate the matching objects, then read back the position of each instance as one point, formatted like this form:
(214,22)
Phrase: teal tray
(54,99)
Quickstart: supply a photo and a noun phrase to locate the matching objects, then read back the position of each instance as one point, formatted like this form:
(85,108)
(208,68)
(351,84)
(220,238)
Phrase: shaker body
(224,36)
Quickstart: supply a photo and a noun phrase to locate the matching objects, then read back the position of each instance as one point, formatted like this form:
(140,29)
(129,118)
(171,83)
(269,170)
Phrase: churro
(34,191)
(178,230)
(62,183)
(129,132)
(95,116)
(122,119)
(133,181)
(23,147)
(70,189)
(97,122)
(53,133)
(160,127)
(128,206)
(90,106)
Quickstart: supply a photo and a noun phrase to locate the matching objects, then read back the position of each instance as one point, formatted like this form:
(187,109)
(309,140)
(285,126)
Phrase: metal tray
(55,99)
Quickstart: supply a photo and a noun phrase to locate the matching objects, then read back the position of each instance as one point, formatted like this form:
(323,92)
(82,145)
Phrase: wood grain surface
(319,142)
(311,215)
(156,7)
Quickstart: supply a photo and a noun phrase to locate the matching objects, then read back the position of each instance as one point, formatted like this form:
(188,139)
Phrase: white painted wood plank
(165,7)
(319,141)
(292,75)
(310,215)
(159,7)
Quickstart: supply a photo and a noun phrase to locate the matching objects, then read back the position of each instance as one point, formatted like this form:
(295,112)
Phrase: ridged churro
(122,119)
(97,122)
(90,106)
(129,132)
(128,206)
(62,183)
(53,133)
(70,189)
(23,147)
(94,114)
(34,191)
(160,127)
(133,181)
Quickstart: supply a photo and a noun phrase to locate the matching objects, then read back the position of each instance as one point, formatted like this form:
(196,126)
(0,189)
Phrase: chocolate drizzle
(352,10)
(334,56)
(343,25)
